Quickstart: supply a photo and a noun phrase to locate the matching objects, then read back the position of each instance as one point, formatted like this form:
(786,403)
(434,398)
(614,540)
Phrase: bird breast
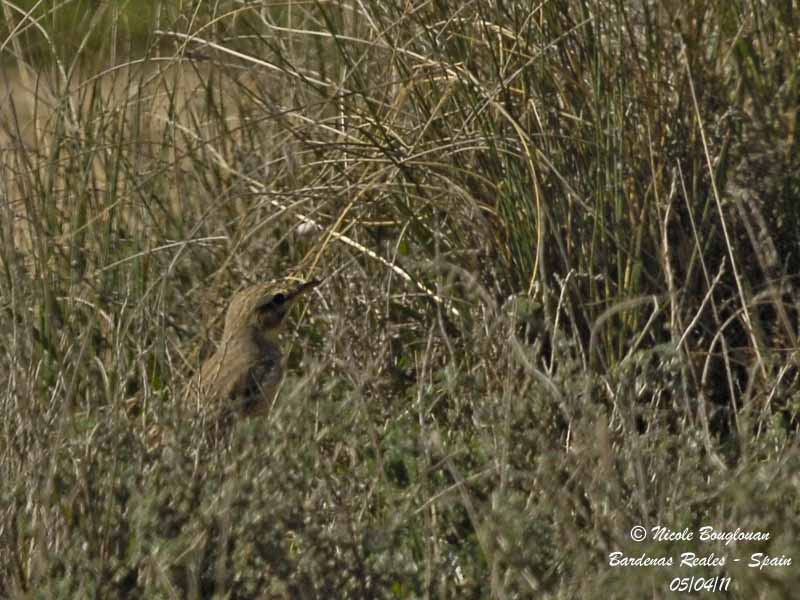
(244,373)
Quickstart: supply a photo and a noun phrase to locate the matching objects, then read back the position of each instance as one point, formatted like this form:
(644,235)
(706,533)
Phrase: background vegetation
(562,248)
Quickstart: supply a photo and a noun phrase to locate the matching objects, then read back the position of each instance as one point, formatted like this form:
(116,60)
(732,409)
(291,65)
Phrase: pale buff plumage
(242,376)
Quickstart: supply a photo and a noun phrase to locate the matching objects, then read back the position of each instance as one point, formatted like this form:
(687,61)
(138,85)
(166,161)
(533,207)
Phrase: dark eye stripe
(278,299)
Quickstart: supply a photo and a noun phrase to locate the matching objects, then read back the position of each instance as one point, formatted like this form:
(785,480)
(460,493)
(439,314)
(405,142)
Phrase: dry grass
(561,246)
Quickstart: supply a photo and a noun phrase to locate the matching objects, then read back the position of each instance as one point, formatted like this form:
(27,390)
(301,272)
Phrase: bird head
(264,305)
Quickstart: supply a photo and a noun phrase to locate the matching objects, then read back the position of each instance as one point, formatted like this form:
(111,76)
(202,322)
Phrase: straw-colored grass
(561,251)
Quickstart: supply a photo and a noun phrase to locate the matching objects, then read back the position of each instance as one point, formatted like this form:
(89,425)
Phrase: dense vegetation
(561,243)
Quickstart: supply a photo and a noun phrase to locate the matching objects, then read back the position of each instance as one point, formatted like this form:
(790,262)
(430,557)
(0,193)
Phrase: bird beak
(302,289)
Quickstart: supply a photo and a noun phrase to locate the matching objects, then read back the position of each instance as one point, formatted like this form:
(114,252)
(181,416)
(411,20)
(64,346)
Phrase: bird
(242,377)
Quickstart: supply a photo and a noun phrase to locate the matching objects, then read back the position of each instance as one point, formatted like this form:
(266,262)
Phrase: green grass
(562,249)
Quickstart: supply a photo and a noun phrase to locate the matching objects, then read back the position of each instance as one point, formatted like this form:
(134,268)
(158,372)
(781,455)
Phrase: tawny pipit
(244,373)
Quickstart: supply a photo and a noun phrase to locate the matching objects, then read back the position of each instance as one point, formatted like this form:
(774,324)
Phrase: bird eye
(278,299)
